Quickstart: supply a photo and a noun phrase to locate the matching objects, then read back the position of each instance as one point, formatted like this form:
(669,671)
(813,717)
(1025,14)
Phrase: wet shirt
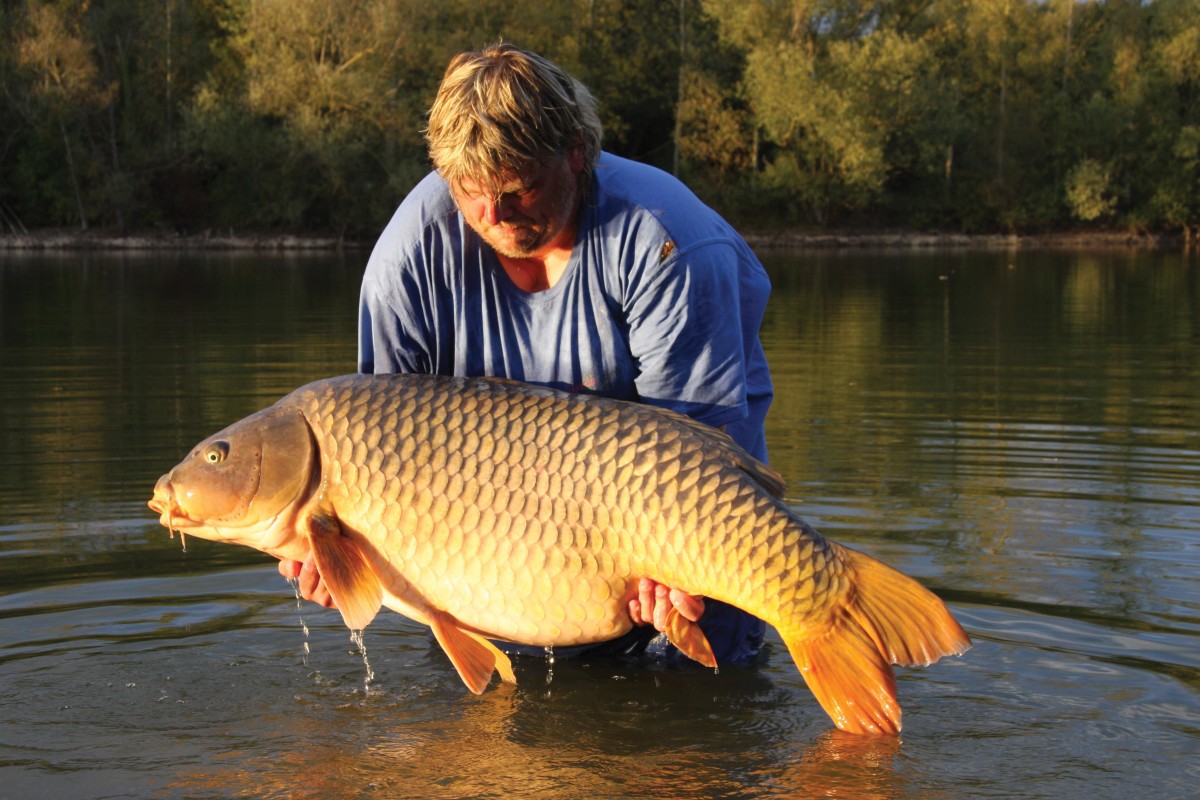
(660,303)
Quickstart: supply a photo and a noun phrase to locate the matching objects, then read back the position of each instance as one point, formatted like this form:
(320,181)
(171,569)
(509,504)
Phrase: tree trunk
(679,89)
(74,178)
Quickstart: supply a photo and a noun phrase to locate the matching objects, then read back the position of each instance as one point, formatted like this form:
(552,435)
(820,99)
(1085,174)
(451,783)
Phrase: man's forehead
(505,179)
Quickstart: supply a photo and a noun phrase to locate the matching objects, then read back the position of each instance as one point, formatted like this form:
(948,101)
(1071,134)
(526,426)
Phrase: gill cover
(247,473)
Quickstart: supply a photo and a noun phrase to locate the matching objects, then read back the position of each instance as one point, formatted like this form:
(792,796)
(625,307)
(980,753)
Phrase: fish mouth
(170,516)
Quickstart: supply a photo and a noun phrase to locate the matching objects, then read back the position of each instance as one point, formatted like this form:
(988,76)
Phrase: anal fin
(472,655)
(689,639)
(347,574)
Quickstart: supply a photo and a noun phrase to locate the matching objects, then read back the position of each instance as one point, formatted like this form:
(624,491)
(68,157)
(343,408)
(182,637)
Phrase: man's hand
(311,586)
(654,600)
(650,607)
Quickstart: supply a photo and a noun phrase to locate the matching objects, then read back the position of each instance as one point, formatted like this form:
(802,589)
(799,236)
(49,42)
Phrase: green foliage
(306,134)
(306,115)
(1089,191)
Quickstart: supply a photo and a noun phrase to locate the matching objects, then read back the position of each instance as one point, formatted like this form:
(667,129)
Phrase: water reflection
(1017,430)
(532,740)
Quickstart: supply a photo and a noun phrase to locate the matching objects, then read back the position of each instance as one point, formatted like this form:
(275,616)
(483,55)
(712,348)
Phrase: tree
(1089,190)
(322,115)
(307,115)
(1176,200)
(838,90)
(65,85)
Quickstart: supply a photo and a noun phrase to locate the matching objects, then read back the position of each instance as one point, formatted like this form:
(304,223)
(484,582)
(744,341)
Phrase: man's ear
(576,156)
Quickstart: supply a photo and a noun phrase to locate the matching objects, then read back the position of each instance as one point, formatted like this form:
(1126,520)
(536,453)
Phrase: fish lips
(165,505)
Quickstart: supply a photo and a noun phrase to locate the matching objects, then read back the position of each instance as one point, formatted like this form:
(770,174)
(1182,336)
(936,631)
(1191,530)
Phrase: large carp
(494,510)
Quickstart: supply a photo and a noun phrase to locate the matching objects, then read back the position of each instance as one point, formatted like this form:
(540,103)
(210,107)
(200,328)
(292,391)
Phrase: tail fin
(885,618)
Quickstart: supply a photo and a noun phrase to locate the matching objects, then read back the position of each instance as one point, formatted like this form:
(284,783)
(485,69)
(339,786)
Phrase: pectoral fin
(689,639)
(351,581)
(473,656)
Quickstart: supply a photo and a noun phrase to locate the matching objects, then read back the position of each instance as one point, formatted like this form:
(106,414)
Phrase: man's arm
(650,607)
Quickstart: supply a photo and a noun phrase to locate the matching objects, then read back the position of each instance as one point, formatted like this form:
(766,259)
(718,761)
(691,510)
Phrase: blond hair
(501,109)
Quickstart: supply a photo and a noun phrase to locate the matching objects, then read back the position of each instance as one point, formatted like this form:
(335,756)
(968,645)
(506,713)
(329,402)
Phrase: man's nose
(496,211)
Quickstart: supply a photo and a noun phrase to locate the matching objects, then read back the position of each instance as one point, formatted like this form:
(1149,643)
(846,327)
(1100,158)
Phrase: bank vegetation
(211,117)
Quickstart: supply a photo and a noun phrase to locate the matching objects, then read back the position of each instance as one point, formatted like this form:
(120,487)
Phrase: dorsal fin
(763,474)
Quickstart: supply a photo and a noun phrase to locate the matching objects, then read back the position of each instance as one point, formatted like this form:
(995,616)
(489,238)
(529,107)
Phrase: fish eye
(216,452)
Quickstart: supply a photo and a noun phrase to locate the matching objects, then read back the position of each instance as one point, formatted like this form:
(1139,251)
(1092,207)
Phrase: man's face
(534,211)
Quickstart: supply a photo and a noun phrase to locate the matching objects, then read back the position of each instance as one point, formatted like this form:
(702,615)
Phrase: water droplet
(295,582)
(357,638)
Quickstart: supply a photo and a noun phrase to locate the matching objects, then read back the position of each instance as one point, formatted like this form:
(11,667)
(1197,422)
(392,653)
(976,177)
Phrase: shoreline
(59,239)
(937,240)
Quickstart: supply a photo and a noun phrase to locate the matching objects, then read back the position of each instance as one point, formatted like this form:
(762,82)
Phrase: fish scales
(489,508)
(544,516)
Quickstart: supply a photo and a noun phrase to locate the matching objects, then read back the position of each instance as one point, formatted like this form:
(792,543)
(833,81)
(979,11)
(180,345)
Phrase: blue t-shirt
(660,303)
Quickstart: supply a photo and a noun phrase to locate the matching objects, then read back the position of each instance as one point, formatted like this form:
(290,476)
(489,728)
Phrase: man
(530,254)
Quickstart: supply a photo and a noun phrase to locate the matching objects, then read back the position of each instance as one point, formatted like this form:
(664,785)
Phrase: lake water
(1020,431)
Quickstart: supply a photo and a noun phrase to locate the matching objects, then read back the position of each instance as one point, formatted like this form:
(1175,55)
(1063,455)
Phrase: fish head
(245,484)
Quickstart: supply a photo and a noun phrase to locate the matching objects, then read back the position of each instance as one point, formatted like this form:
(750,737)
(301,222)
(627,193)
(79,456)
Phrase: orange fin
(473,656)
(689,639)
(849,677)
(355,587)
(885,618)
(910,624)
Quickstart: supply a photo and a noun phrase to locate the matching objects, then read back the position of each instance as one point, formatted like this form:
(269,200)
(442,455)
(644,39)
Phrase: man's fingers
(654,602)
(689,606)
(312,587)
(635,611)
(641,605)
(662,605)
(308,580)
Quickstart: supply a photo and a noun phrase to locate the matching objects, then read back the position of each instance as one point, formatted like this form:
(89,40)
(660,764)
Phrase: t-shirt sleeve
(685,332)
(392,330)
(402,295)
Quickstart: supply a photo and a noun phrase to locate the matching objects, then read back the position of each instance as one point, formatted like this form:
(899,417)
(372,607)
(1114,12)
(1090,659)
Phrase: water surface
(1017,430)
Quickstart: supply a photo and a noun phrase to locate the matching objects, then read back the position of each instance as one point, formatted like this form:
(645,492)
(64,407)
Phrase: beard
(518,238)
(521,237)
